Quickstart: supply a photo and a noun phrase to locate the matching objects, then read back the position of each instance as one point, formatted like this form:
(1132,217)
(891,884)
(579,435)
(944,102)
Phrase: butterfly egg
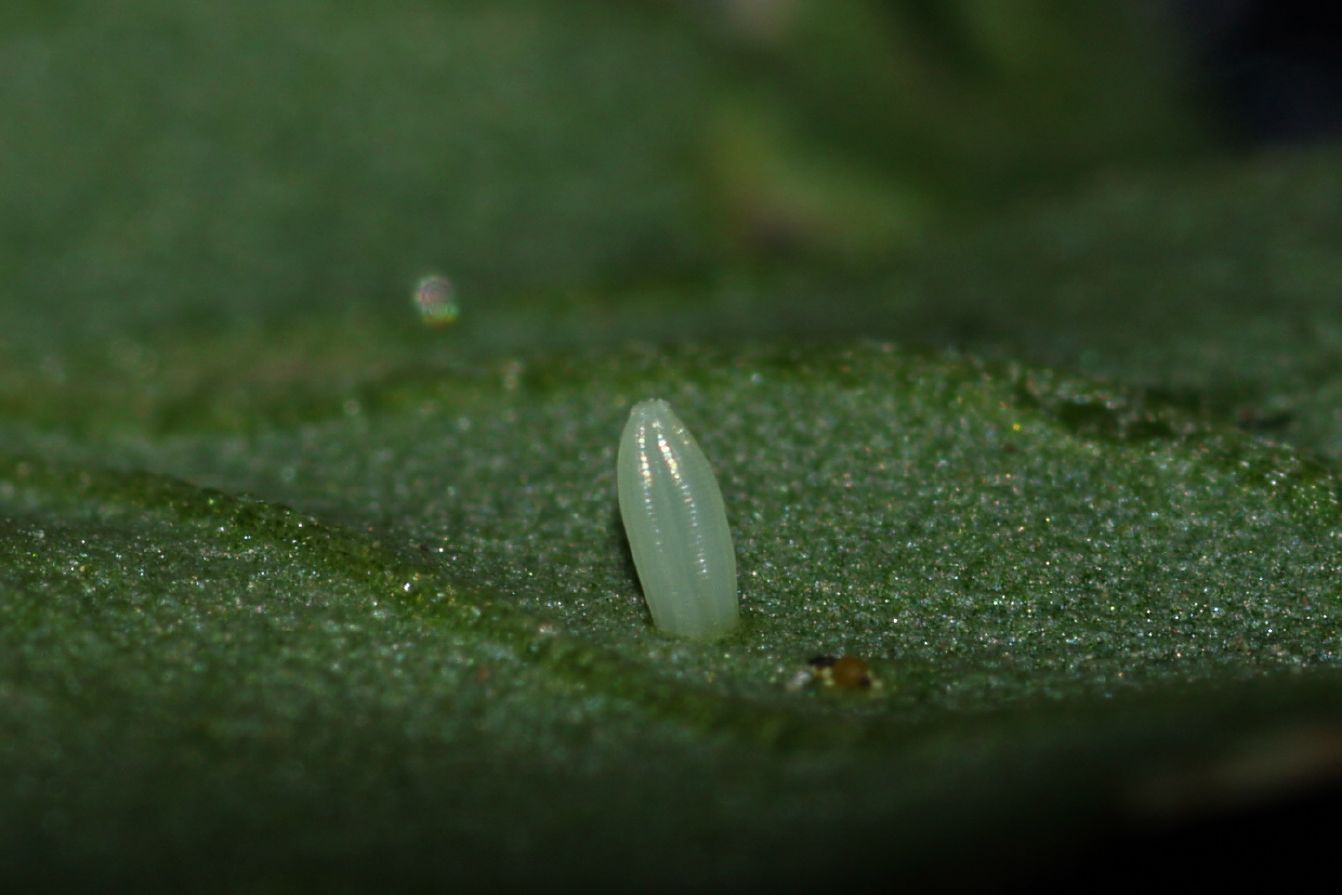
(677,524)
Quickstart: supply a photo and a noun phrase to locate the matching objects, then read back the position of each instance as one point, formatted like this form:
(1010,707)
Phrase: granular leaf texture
(318,642)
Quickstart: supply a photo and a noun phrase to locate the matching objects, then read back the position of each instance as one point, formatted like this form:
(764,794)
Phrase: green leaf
(1218,288)
(416,622)
(296,592)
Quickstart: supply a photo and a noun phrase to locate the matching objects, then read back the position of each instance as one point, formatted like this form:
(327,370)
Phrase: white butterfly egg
(677,525)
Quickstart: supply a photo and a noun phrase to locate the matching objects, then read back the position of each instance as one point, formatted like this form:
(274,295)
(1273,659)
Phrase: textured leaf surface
(419,618)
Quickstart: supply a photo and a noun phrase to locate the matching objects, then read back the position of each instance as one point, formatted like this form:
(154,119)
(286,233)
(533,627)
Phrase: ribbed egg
(677,524)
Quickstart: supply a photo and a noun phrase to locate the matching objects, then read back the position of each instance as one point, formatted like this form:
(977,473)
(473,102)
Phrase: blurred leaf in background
(180,165)
(854,127)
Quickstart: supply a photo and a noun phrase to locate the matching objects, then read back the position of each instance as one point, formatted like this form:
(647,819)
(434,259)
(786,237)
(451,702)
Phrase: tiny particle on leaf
(850,673)
(841,673)
(801,680)
(436,300)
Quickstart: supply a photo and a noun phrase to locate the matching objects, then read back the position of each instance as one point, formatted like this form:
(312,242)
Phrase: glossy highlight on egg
(676,522)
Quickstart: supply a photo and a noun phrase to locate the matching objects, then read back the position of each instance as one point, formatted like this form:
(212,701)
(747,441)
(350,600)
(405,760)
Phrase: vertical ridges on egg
(676,522)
